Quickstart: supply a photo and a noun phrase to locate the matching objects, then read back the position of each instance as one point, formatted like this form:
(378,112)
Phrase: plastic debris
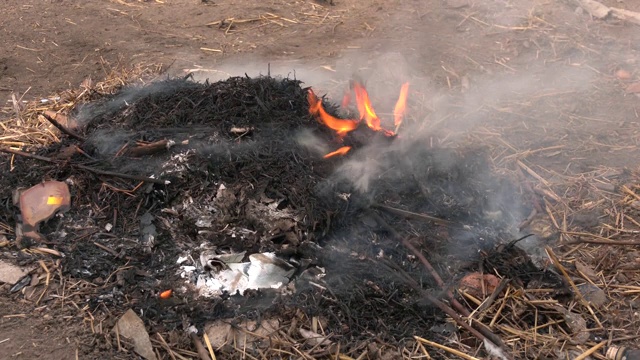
(39,203)
(228,273)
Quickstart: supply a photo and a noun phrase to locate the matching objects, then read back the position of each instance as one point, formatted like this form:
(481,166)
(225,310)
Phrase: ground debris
(131,327)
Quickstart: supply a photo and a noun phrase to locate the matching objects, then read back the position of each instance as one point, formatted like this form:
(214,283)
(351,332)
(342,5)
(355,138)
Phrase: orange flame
(343,150)
(364,107)
(401,105)
(341,126)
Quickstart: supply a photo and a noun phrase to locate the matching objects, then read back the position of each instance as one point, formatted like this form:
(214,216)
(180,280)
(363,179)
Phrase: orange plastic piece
(39,203)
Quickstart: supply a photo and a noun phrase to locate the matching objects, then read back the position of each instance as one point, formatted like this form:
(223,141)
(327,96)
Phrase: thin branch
(63,129)
(93,170)
(412,215)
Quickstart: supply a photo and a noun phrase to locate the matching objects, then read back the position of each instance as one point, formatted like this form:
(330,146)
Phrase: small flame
(343,150)
(341,126)
(364,107)
(401,105)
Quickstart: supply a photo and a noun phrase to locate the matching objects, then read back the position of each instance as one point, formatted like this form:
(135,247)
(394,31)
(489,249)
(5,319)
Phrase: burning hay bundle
(230,195)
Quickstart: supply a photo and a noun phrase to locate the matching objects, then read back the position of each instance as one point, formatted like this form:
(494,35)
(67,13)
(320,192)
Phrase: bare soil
(528,75)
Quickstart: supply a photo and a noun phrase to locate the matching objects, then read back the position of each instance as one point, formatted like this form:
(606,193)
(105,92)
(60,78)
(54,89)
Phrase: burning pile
(243,195)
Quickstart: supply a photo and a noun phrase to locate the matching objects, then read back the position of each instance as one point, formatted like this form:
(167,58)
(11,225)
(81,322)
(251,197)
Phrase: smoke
(306,139)
(469,64)
(122,100)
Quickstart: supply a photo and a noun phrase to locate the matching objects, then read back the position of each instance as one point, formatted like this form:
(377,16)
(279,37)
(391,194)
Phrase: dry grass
(23,127)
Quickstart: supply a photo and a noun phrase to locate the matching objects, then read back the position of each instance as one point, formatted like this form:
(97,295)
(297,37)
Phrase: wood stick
(605,242)
(62,128)
(597,239)
(202,352)
(489,301)
(577,293)
(27,155)
(149,149)
(593,349)
(110,251)
(166,346)
(209,347)
(445,348)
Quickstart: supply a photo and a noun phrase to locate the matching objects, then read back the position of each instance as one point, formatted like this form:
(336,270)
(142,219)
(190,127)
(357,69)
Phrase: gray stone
(10,273)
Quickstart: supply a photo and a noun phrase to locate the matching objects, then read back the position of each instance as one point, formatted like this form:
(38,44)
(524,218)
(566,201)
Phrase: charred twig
(444,307)
(60,127)
(412,215)
(110,251)
(411,248)
(93,170)
(483,330)
(124,176)
(26,154)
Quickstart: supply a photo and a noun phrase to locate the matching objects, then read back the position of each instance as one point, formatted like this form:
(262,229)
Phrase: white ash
(177,163)
(219,273)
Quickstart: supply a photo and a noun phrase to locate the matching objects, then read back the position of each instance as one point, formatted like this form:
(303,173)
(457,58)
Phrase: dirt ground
(527,75)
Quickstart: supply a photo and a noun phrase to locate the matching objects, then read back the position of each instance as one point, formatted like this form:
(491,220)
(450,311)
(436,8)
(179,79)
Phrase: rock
(593,294)
(219,333)
(578,326)
(479,285)
(314,339)
(3,241)
(596,9)
(633,88)
(10,273)
(39,203)
(623,74)
(130,326)
(456,4)
(248,333)
(586,270)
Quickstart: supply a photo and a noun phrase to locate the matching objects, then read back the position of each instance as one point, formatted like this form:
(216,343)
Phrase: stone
(10,273)
(131,327)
